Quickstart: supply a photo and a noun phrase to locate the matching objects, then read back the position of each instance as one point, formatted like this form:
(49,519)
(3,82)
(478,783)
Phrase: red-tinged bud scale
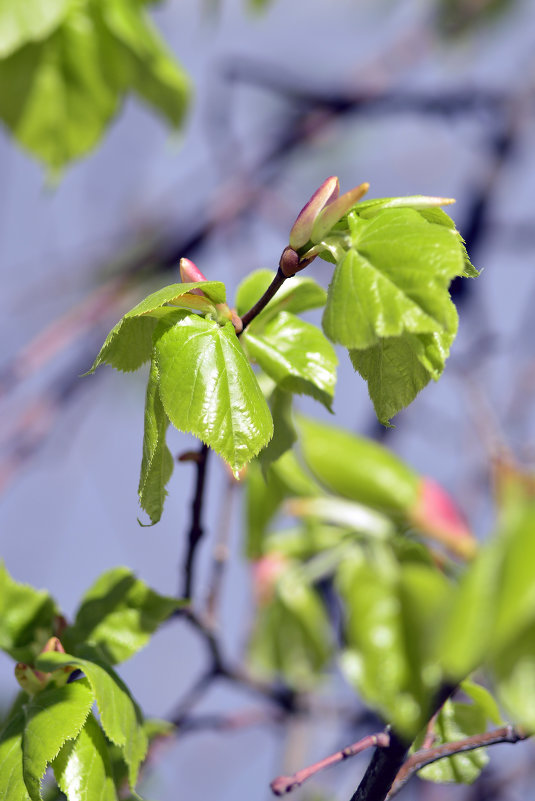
(334,212)
(436,514)
(302,227)
(190,273)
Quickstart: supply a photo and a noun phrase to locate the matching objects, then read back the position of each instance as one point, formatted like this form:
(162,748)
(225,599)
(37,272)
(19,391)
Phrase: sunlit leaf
(208,388)
(26,618)
(82,767)
(296,295)
(28,21)
(157,461)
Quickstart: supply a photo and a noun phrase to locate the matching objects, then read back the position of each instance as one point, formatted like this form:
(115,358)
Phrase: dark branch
(272,289)
(196,531)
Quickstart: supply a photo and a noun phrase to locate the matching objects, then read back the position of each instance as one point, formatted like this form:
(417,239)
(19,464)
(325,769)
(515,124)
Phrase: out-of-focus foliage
(66,67)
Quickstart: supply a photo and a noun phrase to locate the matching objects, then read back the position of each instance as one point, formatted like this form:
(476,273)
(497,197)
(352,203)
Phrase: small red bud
(266,571)
(289,262)
(436,514)
(334,212)
(302,227)
(190,274)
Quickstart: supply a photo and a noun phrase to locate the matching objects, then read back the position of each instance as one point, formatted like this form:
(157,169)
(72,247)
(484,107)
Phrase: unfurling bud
(436,514)
(190,273)
(334,212)
(302,227)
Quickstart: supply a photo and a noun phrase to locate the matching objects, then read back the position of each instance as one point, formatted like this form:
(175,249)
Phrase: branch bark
(196,530)
(272,289)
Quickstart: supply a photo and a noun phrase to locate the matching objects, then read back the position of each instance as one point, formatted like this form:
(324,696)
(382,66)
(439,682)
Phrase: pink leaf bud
(334,212)
(302,227)
(266,572)
(436,514)
(190,273)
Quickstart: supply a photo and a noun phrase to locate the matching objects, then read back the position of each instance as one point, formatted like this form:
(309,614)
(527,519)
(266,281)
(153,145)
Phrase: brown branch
(272,289)
(196,530)
(504,734)
(285,784)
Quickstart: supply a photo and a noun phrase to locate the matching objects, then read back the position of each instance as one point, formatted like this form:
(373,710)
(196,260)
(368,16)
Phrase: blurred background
(415,97)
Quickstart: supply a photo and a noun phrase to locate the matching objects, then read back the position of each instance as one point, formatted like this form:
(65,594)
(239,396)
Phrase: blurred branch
(285,784)
(504,734)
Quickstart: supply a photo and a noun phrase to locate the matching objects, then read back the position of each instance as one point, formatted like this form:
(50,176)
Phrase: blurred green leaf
(284,433)
(291,638)
(208,388)
(119,613)
(26,618)
(83,769)
(52,717)
(296,355)
(66,68)
(157,462)
(357,468)
(119,714)
(129,343)
(392,614)
(456,721)
(28,21)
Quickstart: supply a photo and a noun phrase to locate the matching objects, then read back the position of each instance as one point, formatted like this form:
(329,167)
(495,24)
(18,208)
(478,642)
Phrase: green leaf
(292,635)
(83,769)
(389,303)
(29,21)
(52,717)
(157,462)
(456,721)
(26,618)
(119,715)
(357,468)
(129,343)
(12,786)
(397,368)
(143,62)
(208,388)
(284,433)
(60,90)
(392,615)
(119,613)
(484,700)
(296,295)
(296,355)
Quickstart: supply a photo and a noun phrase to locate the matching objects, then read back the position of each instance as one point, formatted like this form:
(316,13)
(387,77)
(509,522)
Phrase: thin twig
(196,531)
(504,734)
(285,784)
(272,289)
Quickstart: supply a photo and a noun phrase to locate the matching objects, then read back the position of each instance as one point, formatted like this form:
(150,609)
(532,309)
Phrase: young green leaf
(26,618)
(397,368)
(284,433)
(52,717)
(119,714)
(157,461)
(129,343)
(82,767)
(296,295)
(296,355)
(118,614)
(208,388)
(12,786)
(357,468)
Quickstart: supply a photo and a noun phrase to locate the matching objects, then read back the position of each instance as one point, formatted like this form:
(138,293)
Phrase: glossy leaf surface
(118,614)
(82,767)
(296,295)
(157,461)
(52,717)
(129,343)
(208,388)
(29,21)
(119,715)
(296,355)
(12,786)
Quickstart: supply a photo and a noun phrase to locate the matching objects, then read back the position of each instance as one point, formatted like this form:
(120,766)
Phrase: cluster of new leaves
(413,619)
(388,303)
(66,680)
(65,68)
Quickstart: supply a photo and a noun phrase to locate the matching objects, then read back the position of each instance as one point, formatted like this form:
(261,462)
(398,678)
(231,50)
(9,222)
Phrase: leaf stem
(272,289)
